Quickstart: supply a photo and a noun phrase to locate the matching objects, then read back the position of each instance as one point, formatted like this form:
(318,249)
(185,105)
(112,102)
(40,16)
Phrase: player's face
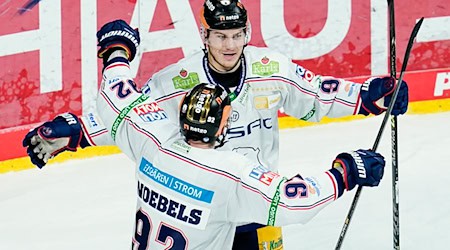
(225,48)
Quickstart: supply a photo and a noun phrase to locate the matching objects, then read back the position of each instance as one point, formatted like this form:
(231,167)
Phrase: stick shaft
(380,131)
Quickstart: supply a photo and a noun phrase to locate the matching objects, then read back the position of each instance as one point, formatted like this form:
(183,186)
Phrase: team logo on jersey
(265,67)
(150,112)
(234,116)
(267,102)
(185,80)
(263,175)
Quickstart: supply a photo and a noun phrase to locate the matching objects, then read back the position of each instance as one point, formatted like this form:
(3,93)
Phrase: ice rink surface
(89,204)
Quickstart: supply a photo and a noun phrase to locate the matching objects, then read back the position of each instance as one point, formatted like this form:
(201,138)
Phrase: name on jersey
(178,210)
(150,112)
(174,183)
(263,175)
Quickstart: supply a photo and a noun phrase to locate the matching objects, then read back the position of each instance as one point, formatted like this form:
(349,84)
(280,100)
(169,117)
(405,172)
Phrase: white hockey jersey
(192,198)
(270,81)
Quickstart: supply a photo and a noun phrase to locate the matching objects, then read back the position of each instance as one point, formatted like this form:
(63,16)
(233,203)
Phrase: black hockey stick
(394,135)
(380,131)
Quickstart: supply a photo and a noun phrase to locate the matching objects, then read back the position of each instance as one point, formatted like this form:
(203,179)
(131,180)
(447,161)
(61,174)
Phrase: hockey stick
(380,131)
(394,135)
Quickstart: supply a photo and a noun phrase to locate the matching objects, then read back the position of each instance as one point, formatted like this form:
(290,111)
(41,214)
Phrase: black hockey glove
(54,137)
(360,167)
(376,94)
(117,35)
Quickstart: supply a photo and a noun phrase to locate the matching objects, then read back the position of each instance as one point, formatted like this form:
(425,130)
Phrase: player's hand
(376,94)
(361,167)
(117,35)
(54,137)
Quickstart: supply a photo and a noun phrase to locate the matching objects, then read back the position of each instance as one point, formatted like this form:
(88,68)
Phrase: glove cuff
(340,181)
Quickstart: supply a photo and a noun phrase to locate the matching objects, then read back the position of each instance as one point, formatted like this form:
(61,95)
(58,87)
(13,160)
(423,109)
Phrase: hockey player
(192,196)
(259,82)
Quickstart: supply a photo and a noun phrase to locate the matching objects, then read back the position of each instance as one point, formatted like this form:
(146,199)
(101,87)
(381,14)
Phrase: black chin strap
(238,89)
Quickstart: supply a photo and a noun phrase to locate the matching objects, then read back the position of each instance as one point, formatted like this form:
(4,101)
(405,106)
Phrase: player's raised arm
(130,116)
(268,198)
(312,96)
(67,132)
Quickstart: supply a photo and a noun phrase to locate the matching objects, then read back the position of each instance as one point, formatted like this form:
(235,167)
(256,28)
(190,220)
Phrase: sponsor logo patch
(309,115)
(263,175)
(116,79)
(243,96)
(267,102)
(350,88)
(92,122)
(304,73)
(313,185)
(185,80)
(150,112)
(181,146)
(265,67)
(182,187)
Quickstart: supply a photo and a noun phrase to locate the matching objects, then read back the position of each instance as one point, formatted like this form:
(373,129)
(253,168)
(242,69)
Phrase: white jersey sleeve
(120,99)
(279,82)
(310,97)
(267,198)
(95,131)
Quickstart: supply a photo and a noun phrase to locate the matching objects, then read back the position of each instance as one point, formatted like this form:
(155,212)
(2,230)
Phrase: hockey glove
(376,94)
(53,137)
(117,35)
(361,167)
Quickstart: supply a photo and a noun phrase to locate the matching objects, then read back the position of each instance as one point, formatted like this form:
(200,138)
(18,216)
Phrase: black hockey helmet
(204,114)
(223,14)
